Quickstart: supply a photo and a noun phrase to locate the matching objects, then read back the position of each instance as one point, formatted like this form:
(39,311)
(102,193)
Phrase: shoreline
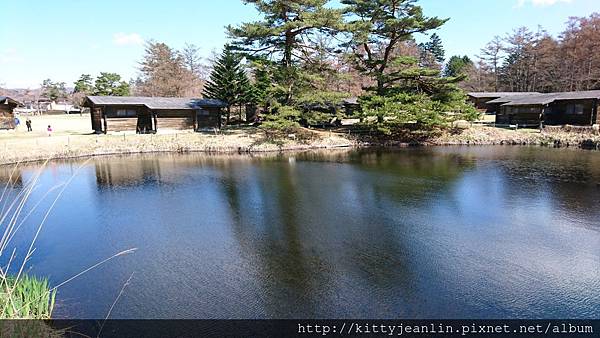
(39,149)
(15,150)
(208,152)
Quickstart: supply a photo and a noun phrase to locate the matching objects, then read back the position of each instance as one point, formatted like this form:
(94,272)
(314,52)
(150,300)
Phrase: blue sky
(62,39)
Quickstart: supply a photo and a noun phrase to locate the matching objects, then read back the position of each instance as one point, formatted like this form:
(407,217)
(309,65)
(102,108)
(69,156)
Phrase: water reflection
(439,232)
(10,176)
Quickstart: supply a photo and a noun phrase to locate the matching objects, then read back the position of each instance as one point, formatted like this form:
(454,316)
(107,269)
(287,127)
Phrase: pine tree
(262,86)
(405,91)
(282,34)
(84,85)
(110,84)
(378,28)
(54,90)
(436,48)
(245,90)
(432,52)
(458,66)
(228,81)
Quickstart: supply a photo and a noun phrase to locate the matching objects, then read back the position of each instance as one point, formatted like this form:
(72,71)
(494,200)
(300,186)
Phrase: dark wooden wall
(557,113)
(145,120)
(97,121)
(209,118)
(122,124)
(519,115)
(141,119)
(176,119)
(481,103)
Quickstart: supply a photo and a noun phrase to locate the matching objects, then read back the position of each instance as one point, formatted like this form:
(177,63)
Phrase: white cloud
(125,39)
(10,55)
(541,3)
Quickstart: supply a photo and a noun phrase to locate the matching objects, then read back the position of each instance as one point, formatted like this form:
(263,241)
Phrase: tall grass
(27,298)
(23,296)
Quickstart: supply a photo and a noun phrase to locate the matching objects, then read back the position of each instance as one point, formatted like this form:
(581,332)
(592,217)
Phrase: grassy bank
(17,147)
(482,135)
(498,136)
(14,148)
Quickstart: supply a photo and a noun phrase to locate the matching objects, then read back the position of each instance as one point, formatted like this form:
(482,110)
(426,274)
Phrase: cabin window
(203,112)
(522,110)
(126,113)
(575,109)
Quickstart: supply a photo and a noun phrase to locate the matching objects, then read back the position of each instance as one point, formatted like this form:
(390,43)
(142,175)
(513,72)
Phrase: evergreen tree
(262,86)
(282,35)
(54,90)
(458,66)
(378,28)
(84,85)
(110,84)
(405,92)
(228,81)
(434,49)
(245,90)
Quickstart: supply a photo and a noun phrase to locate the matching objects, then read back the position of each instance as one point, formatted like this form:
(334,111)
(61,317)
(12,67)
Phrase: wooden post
(155,122)
(195,119)
(542,118)
(104,120)
(595,119)
(219,118)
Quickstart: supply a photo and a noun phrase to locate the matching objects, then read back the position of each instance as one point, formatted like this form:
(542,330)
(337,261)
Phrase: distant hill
(22,95)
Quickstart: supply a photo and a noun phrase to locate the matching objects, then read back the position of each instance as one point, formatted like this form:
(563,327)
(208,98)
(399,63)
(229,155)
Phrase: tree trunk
(380,87)
(290,39)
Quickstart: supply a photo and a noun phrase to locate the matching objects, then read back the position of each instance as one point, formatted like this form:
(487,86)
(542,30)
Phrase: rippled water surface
(481,232)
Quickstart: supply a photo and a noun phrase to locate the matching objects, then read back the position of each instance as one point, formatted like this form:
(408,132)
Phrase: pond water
(457,232)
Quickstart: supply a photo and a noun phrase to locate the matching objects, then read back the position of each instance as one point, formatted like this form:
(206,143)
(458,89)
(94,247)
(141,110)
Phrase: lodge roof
(156,103)
(544,99)
(7,100)
(496,95)
(509,98)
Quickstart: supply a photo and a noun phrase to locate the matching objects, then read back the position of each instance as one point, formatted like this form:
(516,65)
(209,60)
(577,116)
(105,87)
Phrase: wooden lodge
(553,109)
(7,115)
(149,114)
(485,101)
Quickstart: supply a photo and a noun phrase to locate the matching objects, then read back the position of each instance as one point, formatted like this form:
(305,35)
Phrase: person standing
(28,124)
(49,130)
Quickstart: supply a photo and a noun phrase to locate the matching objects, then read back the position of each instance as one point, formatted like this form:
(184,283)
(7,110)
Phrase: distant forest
(536,61)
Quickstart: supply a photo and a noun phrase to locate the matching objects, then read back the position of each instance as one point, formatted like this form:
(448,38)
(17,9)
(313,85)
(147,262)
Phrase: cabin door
(144,123)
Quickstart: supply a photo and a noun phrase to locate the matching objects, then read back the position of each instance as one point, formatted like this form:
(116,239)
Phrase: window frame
(577,109)
(128,113)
